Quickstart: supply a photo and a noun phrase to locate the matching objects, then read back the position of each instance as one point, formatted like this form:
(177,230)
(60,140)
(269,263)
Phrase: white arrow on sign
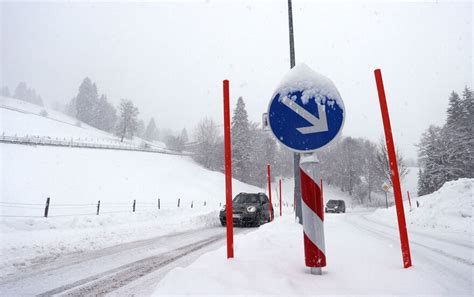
(318,125)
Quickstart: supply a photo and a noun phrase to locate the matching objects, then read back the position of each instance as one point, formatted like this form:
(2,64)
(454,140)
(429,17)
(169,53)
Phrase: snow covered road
(107,270)
(364,257)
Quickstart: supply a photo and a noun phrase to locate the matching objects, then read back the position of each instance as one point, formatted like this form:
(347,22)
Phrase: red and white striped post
(280,197)
(313,213)
(270,206)
(322,192)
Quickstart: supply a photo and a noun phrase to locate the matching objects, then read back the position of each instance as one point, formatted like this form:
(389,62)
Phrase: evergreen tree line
(90,108)
(252,149)
(446,153)
(355,165)
(24,93)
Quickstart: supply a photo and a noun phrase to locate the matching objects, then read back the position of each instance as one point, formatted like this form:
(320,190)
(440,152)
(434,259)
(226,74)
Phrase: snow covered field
(76,179)
(19,118)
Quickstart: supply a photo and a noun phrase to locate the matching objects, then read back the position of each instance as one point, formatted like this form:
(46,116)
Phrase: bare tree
(206,137)
(383,164)
(128,121)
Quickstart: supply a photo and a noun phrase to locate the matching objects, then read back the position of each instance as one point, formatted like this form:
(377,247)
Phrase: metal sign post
(385,188)
(307,113)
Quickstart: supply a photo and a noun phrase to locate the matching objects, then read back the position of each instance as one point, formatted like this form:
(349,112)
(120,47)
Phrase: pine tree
(141,128)
(87,102)
(127,124)
(467,133)
(433,156)
(71,108)
(455,130)
(423,187)
(184,136)
(240,142)
(21,92)
(105,115)
(5,92)
(151,132)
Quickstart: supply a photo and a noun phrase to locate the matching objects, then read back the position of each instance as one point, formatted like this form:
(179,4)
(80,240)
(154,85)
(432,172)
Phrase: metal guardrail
(48,141)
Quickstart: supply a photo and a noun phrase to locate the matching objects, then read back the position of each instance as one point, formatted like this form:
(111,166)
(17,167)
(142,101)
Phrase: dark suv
(336,206)
(248,209)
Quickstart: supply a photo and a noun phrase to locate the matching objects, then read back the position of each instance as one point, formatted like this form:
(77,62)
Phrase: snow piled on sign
(448,209)
(315,85)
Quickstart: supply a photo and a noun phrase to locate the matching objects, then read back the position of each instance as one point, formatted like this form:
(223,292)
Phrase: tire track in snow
(392,237)
(108,281)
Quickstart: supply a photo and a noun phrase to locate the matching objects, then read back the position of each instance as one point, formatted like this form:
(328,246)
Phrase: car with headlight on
(336,206)
(249,209)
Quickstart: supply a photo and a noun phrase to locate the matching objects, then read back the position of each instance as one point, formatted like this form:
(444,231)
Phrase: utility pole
(296,156)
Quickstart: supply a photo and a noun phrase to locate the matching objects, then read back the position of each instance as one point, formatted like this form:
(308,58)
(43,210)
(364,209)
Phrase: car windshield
(245,198)
(333,202)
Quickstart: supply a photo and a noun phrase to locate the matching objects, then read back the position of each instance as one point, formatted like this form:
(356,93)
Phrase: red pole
(280,197)
(269,191)
(228,173)
(322,197)
(409,202)
(394,171)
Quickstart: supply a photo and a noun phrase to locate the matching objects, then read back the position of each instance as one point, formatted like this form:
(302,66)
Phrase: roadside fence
(85,143)
(52,209)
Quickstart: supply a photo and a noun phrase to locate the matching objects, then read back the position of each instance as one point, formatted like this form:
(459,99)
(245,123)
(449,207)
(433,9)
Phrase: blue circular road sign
(306,112)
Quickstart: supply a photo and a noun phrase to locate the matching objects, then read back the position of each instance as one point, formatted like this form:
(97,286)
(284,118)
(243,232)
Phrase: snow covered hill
(19,118)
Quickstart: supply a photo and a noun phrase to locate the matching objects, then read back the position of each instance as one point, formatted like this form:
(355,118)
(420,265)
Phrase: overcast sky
(170,58)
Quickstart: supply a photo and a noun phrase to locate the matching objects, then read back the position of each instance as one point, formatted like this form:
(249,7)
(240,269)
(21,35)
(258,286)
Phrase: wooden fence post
(158,203)
(98,207)
(46,209)
(179,200)
(134,201)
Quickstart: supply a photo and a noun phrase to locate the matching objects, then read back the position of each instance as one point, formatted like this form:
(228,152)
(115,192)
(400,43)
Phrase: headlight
(251,209)
(336,207)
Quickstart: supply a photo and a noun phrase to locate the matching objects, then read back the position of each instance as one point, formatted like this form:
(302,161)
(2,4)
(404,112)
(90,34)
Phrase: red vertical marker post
(270,206)
(322,197)
(394,170)
(228,173)
(280,197)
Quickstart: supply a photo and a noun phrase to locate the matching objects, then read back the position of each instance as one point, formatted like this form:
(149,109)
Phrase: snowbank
(270,261)
(27,241)
(448,209)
